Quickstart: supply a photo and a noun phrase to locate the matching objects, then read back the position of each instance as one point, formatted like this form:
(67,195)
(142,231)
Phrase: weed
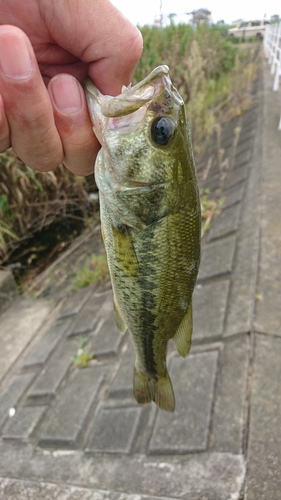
(32,200)
(210,72)
(83,355)
(95,271)
(210,208)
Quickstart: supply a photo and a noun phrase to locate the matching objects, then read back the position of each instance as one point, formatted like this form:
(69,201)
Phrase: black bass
(151,222)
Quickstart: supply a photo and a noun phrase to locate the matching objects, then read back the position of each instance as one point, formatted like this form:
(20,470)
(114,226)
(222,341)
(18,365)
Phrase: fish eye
(162,129)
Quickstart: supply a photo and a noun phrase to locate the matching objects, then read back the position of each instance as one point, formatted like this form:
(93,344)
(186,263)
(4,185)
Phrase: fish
(150,222)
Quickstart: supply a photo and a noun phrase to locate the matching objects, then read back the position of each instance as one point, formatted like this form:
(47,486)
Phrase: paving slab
(242,158)
(68,414)
(122,385)
(230,406)
(209,306)
(213,181)
(15,489)
(18,329)
(245,145)
(249,120)
(232,195)
(93,311)
(52,375)
(217,258)
(75,302)
(187,428)
(215,476)
(24,422)
(264,448)
(47,343)
(226,223)
(264,455)
(236,177)
(268,310)
(13,392)
(239,316)
(114,429)
(107,339)
(247,134)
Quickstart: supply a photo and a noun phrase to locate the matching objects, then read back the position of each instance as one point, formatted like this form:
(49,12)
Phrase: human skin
(47,47)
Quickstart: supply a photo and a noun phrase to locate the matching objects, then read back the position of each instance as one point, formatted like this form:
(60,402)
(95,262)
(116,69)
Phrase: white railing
(272,48)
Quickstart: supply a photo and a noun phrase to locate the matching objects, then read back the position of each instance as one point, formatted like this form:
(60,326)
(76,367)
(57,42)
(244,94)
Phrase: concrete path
(79,434)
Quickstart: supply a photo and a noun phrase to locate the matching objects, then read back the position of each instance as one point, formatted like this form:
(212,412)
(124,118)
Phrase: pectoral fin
(102,233)
(125,252)
(182,337)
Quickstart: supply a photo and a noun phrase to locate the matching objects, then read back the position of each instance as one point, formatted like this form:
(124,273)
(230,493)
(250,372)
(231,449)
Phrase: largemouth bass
(151,222)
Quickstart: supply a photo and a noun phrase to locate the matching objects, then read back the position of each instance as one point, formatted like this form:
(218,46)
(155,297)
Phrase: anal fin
(182,337)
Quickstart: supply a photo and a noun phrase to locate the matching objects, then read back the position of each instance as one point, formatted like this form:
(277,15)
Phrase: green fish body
(151,222)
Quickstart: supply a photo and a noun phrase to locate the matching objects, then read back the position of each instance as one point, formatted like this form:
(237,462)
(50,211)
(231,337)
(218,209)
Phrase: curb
(8,289)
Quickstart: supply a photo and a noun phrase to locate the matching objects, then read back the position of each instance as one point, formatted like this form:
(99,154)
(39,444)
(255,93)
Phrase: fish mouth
(132,98)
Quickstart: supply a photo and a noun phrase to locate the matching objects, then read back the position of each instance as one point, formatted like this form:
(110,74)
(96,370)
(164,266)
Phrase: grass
(32,200)
(95,271)
(210,208)
(210,72)
(83,355)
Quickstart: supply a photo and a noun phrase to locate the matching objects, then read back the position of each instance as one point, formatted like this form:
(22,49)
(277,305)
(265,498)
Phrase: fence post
(272,49)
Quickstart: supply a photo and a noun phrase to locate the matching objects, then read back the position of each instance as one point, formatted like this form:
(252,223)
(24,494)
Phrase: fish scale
(151,222)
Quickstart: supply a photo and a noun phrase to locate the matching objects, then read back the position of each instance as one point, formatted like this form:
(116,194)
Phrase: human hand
(57,43)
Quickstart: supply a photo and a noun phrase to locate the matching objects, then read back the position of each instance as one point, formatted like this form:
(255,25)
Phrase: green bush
(203,65)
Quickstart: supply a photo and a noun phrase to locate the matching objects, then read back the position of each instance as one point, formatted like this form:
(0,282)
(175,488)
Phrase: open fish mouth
(132,104)
(131,98)
(134,97)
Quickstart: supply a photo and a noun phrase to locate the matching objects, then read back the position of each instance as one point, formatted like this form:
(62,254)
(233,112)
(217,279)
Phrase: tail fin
(164,393)
(160,391)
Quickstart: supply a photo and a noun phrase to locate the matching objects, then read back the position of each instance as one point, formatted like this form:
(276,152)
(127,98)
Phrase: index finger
(98,34)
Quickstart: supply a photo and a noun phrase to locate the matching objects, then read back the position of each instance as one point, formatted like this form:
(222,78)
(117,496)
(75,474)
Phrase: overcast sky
(145,11)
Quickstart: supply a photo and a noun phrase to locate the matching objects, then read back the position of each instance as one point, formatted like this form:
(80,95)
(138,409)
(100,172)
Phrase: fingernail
(15,61)
(66,93)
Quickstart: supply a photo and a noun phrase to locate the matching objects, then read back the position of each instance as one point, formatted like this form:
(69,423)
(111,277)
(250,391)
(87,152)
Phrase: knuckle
(132,43)
(39,157)
(136,46)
